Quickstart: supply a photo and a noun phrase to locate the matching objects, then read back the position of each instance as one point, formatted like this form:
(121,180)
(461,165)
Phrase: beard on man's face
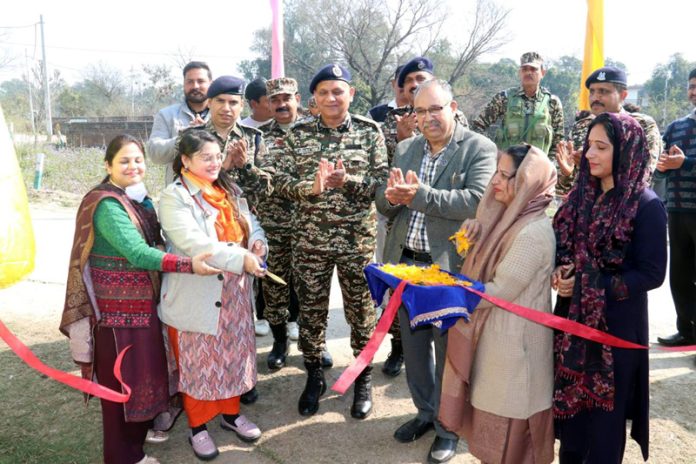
(196,96)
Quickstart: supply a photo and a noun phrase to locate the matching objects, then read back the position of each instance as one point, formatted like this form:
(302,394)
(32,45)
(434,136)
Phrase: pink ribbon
(368,352)
(546,319)
(73,381)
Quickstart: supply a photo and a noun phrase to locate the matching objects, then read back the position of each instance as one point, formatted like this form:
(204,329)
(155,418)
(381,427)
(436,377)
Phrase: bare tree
(372,35)
(183,56)
(6,57)
(485,36)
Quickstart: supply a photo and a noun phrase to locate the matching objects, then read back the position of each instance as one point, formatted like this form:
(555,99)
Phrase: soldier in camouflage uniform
(528,113)
(400,124)
(331,166)
(276,214)
(607,92)
(242,146)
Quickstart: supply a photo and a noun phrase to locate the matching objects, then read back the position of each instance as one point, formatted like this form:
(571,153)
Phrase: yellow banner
(594,48)
(16,233)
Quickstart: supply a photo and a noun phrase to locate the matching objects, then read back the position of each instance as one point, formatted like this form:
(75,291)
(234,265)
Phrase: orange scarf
(227,226)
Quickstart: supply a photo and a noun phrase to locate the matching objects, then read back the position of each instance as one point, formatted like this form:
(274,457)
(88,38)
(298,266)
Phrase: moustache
(283,109)
(431,125)
(596,103)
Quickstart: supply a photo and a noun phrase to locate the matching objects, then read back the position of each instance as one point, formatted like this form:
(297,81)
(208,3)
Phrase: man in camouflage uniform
(242,146)
(331,166)
(276,214)
(400,124)
(608,90)
(528,113)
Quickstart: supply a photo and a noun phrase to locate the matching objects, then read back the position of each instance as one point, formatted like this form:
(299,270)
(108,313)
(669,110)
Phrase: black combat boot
(395,360)
(279,352)
(316,386)
(362,395)
(326,359)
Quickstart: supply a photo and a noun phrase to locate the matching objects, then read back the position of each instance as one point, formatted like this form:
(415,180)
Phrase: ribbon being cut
(433,296)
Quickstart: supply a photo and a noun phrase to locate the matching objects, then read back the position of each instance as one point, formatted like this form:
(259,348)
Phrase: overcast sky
(127,34)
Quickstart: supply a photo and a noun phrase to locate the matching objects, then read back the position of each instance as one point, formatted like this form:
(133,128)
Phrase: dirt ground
(32,309)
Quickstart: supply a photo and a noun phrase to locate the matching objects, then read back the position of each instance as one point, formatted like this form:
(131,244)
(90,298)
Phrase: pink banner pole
(277,64)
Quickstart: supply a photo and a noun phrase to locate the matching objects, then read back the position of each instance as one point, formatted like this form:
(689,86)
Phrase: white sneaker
(156,436)
(293,331)
(261,327)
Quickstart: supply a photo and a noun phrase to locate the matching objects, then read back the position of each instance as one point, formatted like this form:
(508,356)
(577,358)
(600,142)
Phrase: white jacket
(191,302)
(168,123)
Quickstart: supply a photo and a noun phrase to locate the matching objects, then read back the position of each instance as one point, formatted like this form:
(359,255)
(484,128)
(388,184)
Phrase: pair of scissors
(272,276)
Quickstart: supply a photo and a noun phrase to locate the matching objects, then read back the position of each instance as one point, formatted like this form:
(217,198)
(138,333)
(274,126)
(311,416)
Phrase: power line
(19,27)
(128,52)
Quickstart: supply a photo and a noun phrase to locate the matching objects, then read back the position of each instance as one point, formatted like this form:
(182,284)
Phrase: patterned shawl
(592,232)
(77,300)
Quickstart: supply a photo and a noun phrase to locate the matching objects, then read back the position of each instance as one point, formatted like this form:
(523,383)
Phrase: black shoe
(315,387)
(442,450)
(277,356)
(412,430)
(676,339)
(326,360)
(279,352)
(250,397)
(362,395)
(395,361)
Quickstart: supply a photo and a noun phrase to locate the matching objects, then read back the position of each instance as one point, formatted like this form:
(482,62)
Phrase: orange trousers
(200,412)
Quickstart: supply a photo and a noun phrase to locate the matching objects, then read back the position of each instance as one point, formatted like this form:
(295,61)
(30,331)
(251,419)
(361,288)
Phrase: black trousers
(682,270)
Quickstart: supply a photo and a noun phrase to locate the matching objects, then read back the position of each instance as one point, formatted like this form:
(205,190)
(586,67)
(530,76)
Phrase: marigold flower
(461,241)
(416,275)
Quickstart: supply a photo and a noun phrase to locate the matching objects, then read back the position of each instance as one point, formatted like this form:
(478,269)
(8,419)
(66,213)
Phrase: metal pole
(31,95)
(47,90)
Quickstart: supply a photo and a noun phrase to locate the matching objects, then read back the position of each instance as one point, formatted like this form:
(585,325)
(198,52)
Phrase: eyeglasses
(208,159)
(434,110)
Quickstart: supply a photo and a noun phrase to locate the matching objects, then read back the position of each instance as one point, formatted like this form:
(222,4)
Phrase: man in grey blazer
(436,182)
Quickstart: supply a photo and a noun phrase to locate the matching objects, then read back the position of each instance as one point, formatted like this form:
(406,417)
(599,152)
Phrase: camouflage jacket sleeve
(653,139)
(377,170)
(491,113)
(286,180)
(557,124)
(254,181)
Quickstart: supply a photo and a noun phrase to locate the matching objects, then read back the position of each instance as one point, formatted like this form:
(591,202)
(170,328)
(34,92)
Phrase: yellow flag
(16,233)
(594,48)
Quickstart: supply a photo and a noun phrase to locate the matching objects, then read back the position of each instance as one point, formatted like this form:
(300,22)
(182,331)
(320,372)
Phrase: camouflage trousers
(313,272)
(281,301)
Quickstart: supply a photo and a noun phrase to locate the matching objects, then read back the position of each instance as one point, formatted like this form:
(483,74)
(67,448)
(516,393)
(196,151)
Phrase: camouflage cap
(281,85)
(532,59)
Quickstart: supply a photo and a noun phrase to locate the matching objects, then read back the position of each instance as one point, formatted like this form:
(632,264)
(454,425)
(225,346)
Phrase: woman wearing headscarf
(111,298)
(498,380)
(209,319)
(611,235)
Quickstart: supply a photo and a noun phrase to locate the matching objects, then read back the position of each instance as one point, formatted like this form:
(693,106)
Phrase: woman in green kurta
(111,298)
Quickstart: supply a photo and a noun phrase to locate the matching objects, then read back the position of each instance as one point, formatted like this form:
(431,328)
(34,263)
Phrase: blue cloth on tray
(439,305)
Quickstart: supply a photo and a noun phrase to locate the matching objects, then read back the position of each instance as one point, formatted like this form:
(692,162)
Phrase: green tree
(664,94)
(563,80)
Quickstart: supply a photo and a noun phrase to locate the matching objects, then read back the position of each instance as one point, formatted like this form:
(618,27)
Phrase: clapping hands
(329,176)
(401,190)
